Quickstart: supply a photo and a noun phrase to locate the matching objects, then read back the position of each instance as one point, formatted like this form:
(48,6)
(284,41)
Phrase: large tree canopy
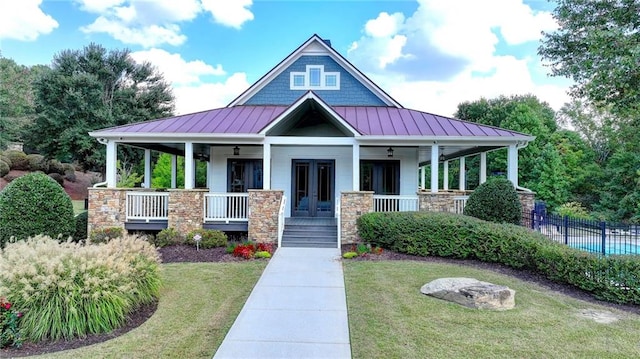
(90,89)
(597,45)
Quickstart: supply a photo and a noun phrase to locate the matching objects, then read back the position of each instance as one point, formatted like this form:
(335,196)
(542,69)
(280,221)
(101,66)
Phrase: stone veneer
(527,200)
(353,204)
(264,207)
(107,208)
(438,202)
(186,209)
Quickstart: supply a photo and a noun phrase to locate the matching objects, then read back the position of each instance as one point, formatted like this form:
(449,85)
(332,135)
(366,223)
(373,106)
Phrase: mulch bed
(183,254)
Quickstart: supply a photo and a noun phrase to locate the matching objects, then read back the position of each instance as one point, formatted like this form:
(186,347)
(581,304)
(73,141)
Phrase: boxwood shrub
(35,204)
(18,159)
(209,238)
(612,278)
(4,168)
(495,200)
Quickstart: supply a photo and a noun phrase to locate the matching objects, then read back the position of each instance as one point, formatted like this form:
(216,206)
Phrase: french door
(313,188)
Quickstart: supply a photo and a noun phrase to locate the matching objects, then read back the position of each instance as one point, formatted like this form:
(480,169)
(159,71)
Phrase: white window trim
(307,85)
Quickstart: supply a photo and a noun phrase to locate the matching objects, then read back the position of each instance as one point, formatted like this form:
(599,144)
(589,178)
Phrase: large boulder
(471,293)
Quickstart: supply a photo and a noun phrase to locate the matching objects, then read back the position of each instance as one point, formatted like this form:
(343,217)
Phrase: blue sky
(429,55)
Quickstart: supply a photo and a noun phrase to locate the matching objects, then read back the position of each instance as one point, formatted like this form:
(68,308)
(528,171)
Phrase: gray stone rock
(471,293)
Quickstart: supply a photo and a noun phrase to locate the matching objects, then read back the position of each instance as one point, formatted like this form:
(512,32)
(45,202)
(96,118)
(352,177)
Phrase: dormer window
(314,78)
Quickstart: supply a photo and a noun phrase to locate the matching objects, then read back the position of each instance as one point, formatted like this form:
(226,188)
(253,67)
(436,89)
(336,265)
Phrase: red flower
(7,305)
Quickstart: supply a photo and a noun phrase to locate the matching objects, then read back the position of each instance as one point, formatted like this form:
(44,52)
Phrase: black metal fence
(588,235)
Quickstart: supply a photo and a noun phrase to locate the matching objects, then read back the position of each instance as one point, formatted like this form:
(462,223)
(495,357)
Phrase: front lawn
(390,318)
(198,304)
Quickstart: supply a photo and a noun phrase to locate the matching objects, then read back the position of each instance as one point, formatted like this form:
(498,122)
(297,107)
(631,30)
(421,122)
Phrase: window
(244,174)
(381,177)
(314,78)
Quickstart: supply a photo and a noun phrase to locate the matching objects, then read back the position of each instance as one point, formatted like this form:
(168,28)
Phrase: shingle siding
(351,93)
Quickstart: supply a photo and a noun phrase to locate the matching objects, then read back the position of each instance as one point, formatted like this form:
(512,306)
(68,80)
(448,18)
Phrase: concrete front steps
(310,233)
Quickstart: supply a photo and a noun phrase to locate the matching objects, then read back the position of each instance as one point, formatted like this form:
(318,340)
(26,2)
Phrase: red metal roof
(367,120)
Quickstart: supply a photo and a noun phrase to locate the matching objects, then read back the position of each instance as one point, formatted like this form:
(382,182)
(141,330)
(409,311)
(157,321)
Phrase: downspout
(520,145)
(102,141)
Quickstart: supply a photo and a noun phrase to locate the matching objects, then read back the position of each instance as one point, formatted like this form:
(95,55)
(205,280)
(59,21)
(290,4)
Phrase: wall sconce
(236,151)
(389,152)
(442,158)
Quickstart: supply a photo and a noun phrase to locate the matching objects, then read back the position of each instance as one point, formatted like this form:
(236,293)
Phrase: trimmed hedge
(19,160)
(38,163)
(82,222)
(35,204)
(4,168)
(612,278)
(496,201)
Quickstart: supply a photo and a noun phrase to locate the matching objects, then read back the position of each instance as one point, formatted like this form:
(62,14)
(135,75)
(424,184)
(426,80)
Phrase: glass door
(313,188)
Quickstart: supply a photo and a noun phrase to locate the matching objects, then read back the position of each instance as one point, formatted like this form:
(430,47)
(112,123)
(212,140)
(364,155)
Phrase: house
(312,142)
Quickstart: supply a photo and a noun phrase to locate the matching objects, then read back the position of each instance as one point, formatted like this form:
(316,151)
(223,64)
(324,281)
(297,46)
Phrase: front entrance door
(313,188)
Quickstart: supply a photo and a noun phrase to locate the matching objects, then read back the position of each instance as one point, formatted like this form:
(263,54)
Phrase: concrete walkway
(298,309)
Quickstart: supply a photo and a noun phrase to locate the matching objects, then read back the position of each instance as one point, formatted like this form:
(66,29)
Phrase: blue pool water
(611,248)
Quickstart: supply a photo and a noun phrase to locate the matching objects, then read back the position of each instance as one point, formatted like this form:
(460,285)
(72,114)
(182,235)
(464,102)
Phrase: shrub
(19,160)
(4,168)
(81,221)
(55,167)
(38,163)
(71,290)
(57,177)
(69,172)
(612,278)
(9,325)
(104,235)
(6,159)
(265,247)
(349,255)
(231,247)
(168,237)
(35,204)
(262,254)
(496,201)
(245,250)
(209,238)
(573,210)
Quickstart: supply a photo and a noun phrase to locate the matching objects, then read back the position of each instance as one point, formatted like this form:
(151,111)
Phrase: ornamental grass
(69,290)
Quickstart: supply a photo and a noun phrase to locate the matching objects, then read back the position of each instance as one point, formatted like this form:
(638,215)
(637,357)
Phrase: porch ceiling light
(236,151)
(390,152)
(442,158)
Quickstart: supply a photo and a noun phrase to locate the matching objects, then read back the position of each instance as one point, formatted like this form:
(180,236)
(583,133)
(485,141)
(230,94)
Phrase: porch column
(445,176)
(355,164)
(512,164)
(462,178)
(266,166)
(483,167)
(210,169)
(147,168)
(189,179)
(434,168)
(174,171)
(423,180)
(112,158)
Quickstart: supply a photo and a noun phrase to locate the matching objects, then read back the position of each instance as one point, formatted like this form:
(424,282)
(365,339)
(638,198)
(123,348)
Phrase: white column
(512,165)
(147,168)
(210,170)
(434,168)
(174,171)
(423,180)
(112,158)
(266,166)
(483,167)
(355,163)
(445,176)
(462,178)
(189,179)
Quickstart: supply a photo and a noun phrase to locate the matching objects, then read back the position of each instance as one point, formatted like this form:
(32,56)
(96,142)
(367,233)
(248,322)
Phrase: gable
(348,91)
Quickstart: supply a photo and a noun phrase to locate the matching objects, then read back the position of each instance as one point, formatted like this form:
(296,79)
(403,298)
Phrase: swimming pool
(610,248)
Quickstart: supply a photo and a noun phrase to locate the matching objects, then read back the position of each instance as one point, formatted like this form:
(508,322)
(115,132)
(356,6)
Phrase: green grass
(78,206)
(198,304)
(390,318)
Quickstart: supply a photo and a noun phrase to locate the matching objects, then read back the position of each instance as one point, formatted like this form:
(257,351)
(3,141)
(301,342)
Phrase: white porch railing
(339,219)
(226,207)
(389,203)
(147,206)
(458,204)
(281,220)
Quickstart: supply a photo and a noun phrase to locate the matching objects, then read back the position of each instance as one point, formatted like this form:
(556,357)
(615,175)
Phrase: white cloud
(175,69)
(229,13)
(24,20)
(206,96)
(146,36)
(98,6)
(459,38)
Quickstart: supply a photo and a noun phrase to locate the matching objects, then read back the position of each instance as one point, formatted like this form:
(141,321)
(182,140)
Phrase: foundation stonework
(185,209)
(440,201)
(527,200)
(353,204)
(264,207)
(107,208)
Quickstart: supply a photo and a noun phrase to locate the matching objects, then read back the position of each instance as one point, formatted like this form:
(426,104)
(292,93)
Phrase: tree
(597,46)
(89,89)
(161,176)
